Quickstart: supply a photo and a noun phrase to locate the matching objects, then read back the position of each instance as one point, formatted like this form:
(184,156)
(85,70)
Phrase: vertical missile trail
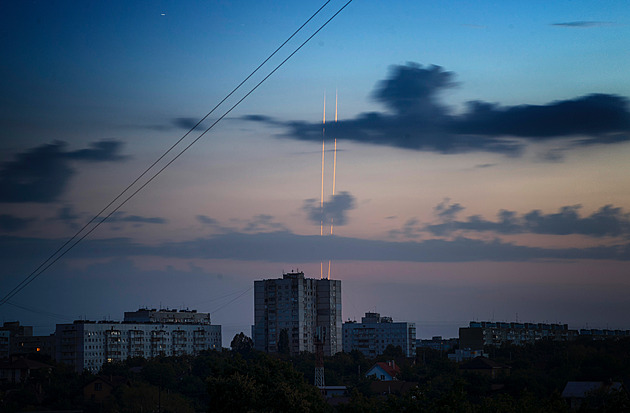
(321,202)
(332,220)
(334,165)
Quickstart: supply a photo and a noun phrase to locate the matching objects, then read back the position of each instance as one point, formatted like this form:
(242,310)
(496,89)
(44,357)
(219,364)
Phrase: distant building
(597,334)
(463,354)
(19,339)
(5,343)
(88,345)
(10,332)
(374,333)
(35,344)
(484,333)
(438,343)
(300,306)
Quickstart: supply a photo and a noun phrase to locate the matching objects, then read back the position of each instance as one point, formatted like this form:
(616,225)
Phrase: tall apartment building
(144,333)
(485,333)
(372,336)
(301,306)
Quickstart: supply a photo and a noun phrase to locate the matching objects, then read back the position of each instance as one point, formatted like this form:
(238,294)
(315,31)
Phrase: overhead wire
(60,252)
(41,312)
(167,151)
(231,301)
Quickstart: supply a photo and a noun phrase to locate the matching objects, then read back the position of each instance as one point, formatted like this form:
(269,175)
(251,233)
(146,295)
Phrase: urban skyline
(481,163)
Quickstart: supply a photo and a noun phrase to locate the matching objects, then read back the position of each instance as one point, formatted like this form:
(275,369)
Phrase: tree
(283,342)
(393,351)
(241,343)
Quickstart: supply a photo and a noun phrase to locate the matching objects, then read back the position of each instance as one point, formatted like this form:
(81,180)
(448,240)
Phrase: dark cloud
(42,174)
(280,246)
(417,120)
(185,123)
(608,221)
(67,215)
(413,91)
(98,152)
(259,118)
(596,114)
(333,211)
(11,223)
(582,24)
(119,217)
(410,230)
(206,220)
(447,212)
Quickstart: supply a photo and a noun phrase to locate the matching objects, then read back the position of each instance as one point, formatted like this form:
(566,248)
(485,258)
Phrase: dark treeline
(245,380)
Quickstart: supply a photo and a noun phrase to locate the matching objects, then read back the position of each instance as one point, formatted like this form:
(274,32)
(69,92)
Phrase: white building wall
(372,338)
(88,345)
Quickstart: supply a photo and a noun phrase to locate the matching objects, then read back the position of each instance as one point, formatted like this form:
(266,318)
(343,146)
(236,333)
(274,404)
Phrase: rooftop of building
(518,325)
(164,310)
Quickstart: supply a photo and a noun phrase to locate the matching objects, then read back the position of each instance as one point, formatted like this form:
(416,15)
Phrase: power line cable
(167,152)
(231,301)
(41,312)
(59,254)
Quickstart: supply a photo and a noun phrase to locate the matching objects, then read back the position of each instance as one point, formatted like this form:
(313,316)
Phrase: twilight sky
(481,165)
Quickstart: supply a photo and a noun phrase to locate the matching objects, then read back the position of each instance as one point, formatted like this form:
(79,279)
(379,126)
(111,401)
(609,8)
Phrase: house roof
(388,368)
(483,363)
(580,389)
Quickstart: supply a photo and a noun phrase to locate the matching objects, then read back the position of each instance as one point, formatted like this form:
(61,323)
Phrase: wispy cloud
(582,24)
(122,217)
(607,221)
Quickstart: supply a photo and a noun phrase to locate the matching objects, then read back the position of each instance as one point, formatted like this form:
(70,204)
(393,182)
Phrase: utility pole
(320,338)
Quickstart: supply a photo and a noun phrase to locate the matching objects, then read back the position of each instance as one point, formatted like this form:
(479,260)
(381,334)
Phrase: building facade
(88,344)
(17,339)
(374,333)
(485,333)
(305,308)
(438,343)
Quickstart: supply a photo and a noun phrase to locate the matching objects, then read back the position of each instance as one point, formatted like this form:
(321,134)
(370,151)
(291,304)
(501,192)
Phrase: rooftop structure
(145,315)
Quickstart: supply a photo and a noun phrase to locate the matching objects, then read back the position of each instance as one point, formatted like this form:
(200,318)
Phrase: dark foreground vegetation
(244,380)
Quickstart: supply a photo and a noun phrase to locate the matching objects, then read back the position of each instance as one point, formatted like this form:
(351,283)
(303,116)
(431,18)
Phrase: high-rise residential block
(291,313)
